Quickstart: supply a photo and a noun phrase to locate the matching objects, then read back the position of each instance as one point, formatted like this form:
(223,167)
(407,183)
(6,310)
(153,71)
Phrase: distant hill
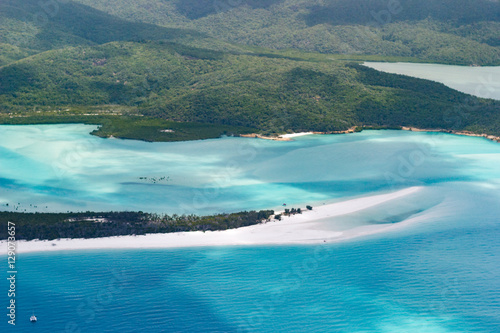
(29,27)
(447,31)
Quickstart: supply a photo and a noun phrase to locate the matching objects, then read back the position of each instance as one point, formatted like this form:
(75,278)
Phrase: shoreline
(463,133)
(354,129)
(316,226)
(289,137)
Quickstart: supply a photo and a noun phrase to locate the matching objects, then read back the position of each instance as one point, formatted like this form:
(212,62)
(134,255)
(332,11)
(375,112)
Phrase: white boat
(33,319)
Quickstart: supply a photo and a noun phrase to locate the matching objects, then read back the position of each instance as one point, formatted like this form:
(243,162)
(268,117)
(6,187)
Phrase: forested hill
(448,31)
(29,27)
(77,62)
(273,93)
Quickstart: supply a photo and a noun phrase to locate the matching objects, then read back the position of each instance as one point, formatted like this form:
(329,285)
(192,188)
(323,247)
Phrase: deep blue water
(425,281)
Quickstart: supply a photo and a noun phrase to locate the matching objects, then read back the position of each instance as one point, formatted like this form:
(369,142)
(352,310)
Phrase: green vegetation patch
(134,127)
(150,129)
(50,226)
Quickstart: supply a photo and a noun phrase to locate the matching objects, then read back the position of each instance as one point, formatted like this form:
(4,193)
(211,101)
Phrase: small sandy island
(306,228)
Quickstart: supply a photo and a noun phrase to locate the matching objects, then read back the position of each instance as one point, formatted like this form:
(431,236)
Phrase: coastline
(306,228)
(464,133)
(289,137)
(284,137)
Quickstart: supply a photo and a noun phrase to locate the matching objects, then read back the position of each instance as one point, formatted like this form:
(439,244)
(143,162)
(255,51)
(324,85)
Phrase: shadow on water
(121,295)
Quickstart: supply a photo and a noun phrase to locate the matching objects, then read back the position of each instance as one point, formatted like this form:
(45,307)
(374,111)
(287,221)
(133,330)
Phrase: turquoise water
(439,274)
(56,168)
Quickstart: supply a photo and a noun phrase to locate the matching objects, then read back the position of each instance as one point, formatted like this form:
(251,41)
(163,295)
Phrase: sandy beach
(294,135)
(305,228)
(283,137)
(289,137)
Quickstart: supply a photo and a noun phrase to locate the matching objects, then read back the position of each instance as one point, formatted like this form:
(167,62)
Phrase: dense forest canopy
(457,12)
(447,31)
(269,93)
(50,226)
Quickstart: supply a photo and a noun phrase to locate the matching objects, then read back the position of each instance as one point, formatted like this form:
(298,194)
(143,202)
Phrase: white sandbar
(294,135)
(304,228)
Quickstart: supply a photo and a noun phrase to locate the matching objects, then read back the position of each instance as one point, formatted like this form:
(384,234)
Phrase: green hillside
(271,92)
(447,31)
(10,53)
(139,80)
(27,27)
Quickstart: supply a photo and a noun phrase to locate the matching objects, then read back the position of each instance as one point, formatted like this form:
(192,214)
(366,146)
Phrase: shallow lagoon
(52,168)
(439,275)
